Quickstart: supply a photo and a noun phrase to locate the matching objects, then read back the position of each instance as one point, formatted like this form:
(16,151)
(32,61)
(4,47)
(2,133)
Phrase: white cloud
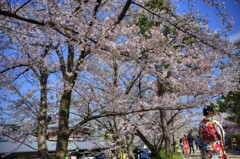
(234,37)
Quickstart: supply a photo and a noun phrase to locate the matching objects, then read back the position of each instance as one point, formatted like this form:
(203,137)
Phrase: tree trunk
(116,137)
(130,152)
(156,154)
(42,121)
(173,137)
(63,129)
(166,134)
(155,150)
(161,89)
(174,143)
(130,148)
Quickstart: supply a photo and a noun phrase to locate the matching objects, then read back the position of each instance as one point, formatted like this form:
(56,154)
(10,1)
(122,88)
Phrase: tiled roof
(13,122)
(9,146)
(87,145)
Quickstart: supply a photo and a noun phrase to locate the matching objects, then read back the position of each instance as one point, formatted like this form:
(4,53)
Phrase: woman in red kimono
(185,147)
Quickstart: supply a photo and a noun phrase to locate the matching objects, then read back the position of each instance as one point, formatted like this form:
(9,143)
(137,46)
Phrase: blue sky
(232,9)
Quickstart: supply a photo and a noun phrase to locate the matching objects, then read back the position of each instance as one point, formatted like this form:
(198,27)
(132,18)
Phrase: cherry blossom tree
(64,35)
(104,93)
(74,42)
(25,66)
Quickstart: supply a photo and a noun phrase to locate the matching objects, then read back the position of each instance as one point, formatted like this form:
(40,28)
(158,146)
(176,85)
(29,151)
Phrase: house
(13,125)
(10,149)
(81,134)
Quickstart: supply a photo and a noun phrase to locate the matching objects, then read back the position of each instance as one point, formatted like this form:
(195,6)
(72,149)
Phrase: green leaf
(155,5)
(145,24)
(230,103)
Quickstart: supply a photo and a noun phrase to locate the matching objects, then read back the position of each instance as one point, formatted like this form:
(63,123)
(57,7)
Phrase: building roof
(87,145)
(12,123)
(10,146)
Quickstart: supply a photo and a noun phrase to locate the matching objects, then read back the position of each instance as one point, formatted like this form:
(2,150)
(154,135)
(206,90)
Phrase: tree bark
(63,129)
(173,136)
(166,134)
(130,148)
(130,152)
(161,89)
(156,154)
(42,120)
(155,150)
(116,137)
(69,67)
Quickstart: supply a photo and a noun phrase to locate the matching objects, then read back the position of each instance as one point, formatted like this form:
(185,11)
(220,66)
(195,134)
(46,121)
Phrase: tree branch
(169,121)
(124,11)
(21,142)
(144,139)
(132,83)
(62,63)
(13,15)
(109,114)
(181,29)
(13,67)
(22,6)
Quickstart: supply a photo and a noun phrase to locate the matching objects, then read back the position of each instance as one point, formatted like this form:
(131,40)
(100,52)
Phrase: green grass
(175,155)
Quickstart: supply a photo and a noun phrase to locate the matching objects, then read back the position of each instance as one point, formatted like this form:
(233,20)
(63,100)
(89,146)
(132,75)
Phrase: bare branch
(220,11)
(13,15)
(109,114)
(62,62)
(124,11)
(133,82)
(26,70)
(22,6)
(13,67)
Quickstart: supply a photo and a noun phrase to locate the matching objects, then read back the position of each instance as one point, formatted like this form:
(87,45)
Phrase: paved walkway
(231,154)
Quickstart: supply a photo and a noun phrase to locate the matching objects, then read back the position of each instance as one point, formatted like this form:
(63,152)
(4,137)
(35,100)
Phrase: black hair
(207,109)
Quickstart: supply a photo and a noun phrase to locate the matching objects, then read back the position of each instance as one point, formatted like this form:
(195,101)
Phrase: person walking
(184,144)
(212,136)
(198,143)
(190,143)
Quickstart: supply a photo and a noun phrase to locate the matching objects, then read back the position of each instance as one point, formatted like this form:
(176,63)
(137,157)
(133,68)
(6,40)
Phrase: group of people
(187,144)
(211,137)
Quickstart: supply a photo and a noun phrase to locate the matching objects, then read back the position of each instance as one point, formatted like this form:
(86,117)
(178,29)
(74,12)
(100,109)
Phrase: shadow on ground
(232,151)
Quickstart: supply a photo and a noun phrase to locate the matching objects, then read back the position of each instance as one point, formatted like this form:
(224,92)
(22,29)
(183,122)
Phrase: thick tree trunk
(116,137)
(173,136)
(174,143)
(130,148)
(42,121)
(130,152)
(156,154)
(155,150)
(161,89)
(166,134)
(63,129)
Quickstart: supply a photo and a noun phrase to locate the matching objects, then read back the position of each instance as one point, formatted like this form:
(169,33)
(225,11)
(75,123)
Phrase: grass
(175,155)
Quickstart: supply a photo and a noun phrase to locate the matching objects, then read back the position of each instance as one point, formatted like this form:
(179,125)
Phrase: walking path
(231,154)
